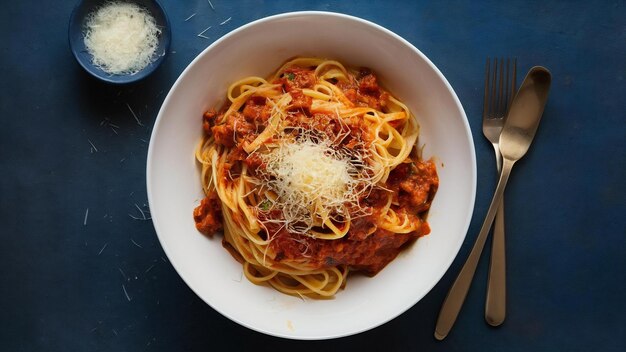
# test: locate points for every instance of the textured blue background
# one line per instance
(565, 201)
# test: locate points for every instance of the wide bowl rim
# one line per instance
(466, 126)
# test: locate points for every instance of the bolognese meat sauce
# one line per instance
(366, 247)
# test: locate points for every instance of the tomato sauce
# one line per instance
(359, 249)
(366, 247)
(208, 215)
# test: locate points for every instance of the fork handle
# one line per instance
(495, 304)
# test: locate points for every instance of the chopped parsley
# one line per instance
(265, 205)
(290, 76)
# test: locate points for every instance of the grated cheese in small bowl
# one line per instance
(119, 41)
(121, 37)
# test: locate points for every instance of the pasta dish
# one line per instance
(311, 174)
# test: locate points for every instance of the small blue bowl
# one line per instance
(77, 43)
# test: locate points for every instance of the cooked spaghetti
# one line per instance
(312, 173)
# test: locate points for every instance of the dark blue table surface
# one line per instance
(61, 280)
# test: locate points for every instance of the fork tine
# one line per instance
(500, 86)
(510, 84)
(494, 85)
(507, 91)
(486, 98)
(501, 107)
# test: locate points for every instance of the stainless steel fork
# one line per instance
(500, 88)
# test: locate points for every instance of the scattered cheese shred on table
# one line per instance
(121, 38)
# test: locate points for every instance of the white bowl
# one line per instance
(257, 49)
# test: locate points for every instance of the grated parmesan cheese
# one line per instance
(308, 172)
(121, 38)
(314, 182)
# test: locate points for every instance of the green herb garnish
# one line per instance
(265, 205)
(290, 76)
